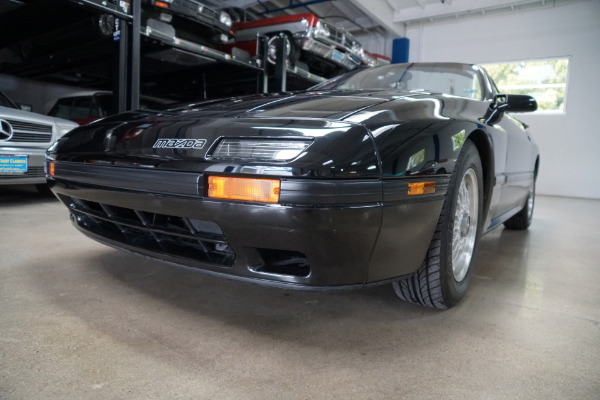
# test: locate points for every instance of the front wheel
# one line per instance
(445, 274)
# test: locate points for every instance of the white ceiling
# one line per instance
(407, 11)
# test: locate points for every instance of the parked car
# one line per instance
(326, 49)
(384, 174)
(24, 139)
(85, 107)
(193, 20)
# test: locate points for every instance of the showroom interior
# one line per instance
(83, 320)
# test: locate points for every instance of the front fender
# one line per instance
(424, 147)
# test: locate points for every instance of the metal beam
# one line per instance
(134, 80)
(119, 11)
(281, 64)
(120, 81)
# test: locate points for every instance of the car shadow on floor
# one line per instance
(23, 194)
(113, 291)
(133, 300)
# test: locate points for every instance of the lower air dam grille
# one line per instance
(181, 237)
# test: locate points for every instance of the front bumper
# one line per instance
(329, 52)
(339, 243)
(35, 166)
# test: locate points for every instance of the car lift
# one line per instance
(128, 32)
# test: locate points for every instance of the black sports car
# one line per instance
(386, 174)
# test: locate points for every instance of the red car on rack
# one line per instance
(327, 50)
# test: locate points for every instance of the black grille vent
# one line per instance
(31, 137)
(30, 127)
(181, 237)
(30, 132)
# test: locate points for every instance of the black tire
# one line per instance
(522, 220)
(442, 280)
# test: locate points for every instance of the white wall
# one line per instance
(569, 142)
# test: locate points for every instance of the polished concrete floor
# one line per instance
(79, 320)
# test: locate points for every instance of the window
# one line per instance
(82, 108)
(546, 80)
(62, 108)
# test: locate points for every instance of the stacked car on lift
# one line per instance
(321, 48)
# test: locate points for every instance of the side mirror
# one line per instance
(514, 102)
(508, 102)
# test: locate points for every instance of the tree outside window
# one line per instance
(545, 80)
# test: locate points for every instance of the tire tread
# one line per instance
(424, 287)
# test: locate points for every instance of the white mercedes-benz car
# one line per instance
(24, 138)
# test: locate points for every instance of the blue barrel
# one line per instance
(400, 48)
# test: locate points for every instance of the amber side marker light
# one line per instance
(51, 166)
(161, 4)
(416, 188)
(248, 189)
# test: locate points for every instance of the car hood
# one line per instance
(340, 147)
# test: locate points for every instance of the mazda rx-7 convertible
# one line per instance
(382, 175)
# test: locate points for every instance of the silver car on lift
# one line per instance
(24, 138)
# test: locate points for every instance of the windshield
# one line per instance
(454, 79)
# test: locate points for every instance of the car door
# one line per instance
(518, 173)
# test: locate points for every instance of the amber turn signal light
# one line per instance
(51, 165)
(416, 188)
(248, 189)
(161, 4)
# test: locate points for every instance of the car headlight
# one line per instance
(358, 50)
(259, 149)
(225, 18)
(322, 30)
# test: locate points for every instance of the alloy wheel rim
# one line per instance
(530, 202)
(464, 230)
(272, 48)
